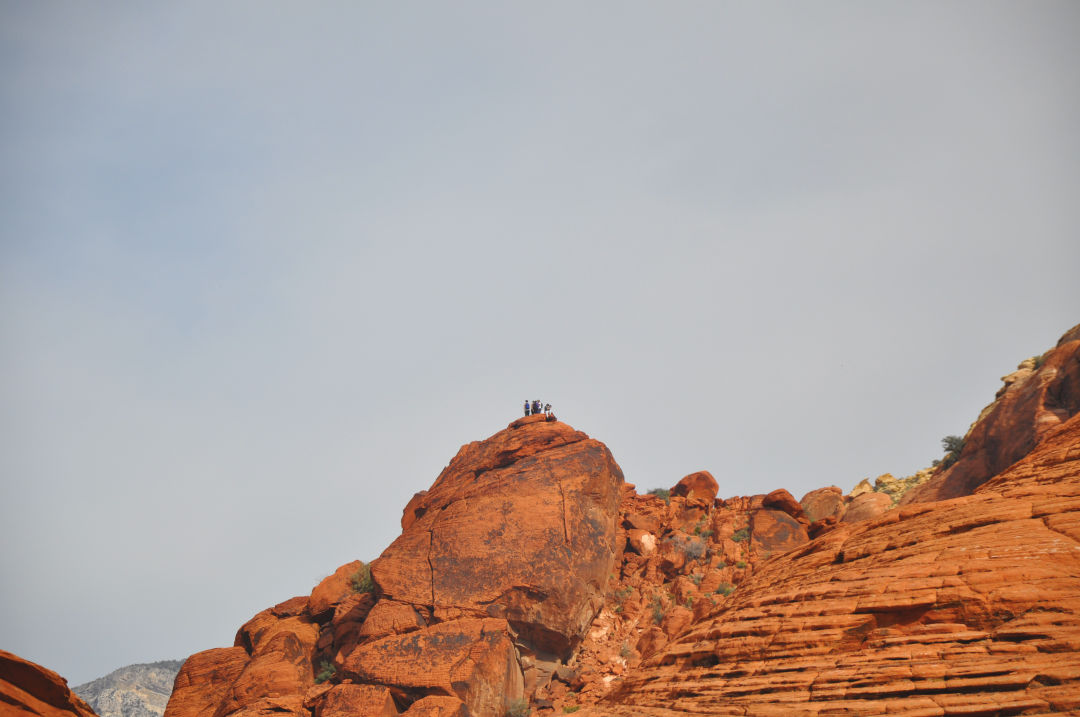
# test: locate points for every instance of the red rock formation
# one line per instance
(697, 488)
(27, 689)
(823, 503)
(1035, 401)
(866, 506)
(521, 527)
(204, 679)
(966, 606)
(508, 552)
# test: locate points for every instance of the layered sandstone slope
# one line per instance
(504, 560)
(965, 606)
(1040, 395)
(27, 689)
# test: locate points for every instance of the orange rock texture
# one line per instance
(28, 689)
(503, 561)
(1042, 394)
(964, 606)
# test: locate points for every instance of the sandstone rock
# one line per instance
(27, 688)
(823, 503)
(333, 589)
(774, 531)
(700, 488)
(866, 506)
(1013, 425)
(521, 526)
(471, 659)
(781, 500)
(861, 487)
(435, 706)
(646, 523)
(964, 606)
(357, 701)
(410, 514)
(642, 542)
(391, 618)
(280, 668)
(203, 681)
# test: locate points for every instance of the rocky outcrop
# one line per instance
(1041, 395)
(133, 691)
(504, 560)
(964, 606)
(28, 689)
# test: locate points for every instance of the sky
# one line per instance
(266, 266)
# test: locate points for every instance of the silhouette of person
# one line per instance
(535, 407)
(526, 408)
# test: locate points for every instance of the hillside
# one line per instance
(134, 691)
(530, 578)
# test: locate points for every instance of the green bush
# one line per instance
(570, 709)
(696, 579)
(953, 446)
(326, 672)
(707, 533)
(740, 535)
(361, 581)
(518, 708)
(741, 564)
(657, 610)
(664, 493)
(725, 589)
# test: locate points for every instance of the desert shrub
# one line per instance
(518, 708)
(1039, 361)
(326, 672)
(626, 652)
(689, 602)
(725, 588)
(663, 493)
(740, 535)
(694, 549)
(570, 709)
(623, 593)
(707, 533)
(657, 610)
(741, 564)
(361, 581)
(696, 579)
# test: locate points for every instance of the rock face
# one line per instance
(27, 689)
(965, 606)
(504, 560)
(1043, 394)
(133, 691)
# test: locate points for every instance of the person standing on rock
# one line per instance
(547, 408)
(526, 407)
(536, 407)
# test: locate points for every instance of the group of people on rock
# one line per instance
(533, 409)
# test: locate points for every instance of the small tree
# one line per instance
(953, 446)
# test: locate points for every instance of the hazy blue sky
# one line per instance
(265, 266)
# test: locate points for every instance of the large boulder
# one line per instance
(204, 679)
(522, 527)
(823, 503)
(28, 689)
(698, 488)
(866, 506)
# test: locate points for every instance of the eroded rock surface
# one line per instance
(965, 606)
(1040, 396)
(508, 552)
(27, 689)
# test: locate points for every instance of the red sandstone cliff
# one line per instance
(28, 689)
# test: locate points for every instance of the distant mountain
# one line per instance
(132, 691)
